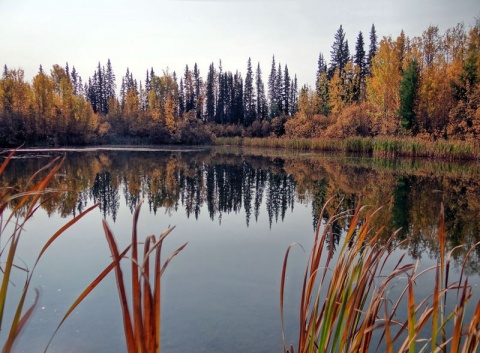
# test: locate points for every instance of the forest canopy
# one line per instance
(426, 87)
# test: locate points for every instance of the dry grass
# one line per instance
(26, 202)
(345, 304)
(142, 315)
(377, 146)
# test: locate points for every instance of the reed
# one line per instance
(378, 146)
(141, 310)
(345, 304)
(25, 204)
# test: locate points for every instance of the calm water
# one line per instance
(238, 211)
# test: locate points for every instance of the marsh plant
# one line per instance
(141, 316)
(346, 305)
(141, 310)
(17, 207)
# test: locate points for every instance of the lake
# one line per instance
(239, 210)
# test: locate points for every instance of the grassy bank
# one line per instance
(378, 146)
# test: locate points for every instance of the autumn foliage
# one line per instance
(423, 87)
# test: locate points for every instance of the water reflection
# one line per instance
(225, 181)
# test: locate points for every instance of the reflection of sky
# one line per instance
(222, 289)
(174, 33)
(221, 292)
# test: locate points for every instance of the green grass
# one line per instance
(378, 146)
(345, 303)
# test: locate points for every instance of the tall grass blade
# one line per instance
(127, 323)
(16, 329)
(136, 289)
(85, 293)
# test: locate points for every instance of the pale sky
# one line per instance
(172, 33)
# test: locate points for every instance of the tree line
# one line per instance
(426, 86)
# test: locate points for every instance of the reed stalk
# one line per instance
(390, 147)
(25, 204)
(345, 304)
(141, 314)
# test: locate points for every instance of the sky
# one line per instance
(169, 34)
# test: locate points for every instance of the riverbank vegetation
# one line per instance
(419, 89)
(349, 304)
(375, 146)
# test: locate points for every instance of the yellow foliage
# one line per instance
(383, 88)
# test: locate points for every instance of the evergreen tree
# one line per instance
(111, 85)
(408, 94)
(147, 82)
(210, 94)
(322, 67)
(222, 96)
(249, 96)
(340, 53)
(287, 104)
(67, 70)
(359, 60)
(372, 49)
(237, 101)
(229, 98)
(280, 90)
(123, 93)
(294, 94)
(181, 98)
(198, 94)
(74, 79)
(189, 90)
(100, 90)
(272, 89)
(262, 108)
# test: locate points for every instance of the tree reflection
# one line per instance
(410, 192)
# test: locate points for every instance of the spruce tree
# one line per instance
(74, 79)
(294, 94)
(249, 95)
(111, 85)
(181, 98)
(287, 104)
(359, 60)
(272, 89)
(220, 110)
(123, 93)
(280, 91)
(197, 83)
(147, 82)
(340, 53)
(321, 67)
(67, 71)
(210, 94)
(262, 109)
(408, 94)
(189, 90)
(237, 103)
(372, 49)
